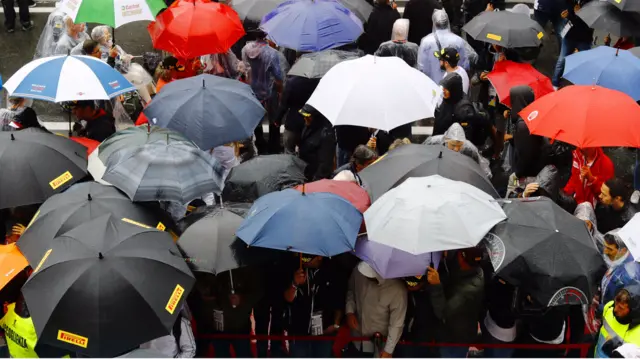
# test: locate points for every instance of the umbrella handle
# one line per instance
(233, 291)
(300, 256)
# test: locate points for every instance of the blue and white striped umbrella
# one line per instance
(67, 78)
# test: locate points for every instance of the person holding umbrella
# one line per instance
(99, 123)
(362, 157)
(317, 144)
(591, 168)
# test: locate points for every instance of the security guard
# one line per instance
(620, 322)
(19, 331)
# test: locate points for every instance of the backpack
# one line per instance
(476, 126)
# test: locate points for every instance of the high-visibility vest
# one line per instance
(20, 334)
(613, 330)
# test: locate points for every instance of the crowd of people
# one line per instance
(459, 299)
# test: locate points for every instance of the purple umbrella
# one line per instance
(391, 263)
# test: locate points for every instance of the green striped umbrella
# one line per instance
(114, 13)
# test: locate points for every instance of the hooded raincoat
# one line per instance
(456, 133)
(399, 46)
(223, 65)
(54, 30)
(69, 41)
(528, 158)
(449, 111)
(585, 212)
(616, 333)
(264, 67)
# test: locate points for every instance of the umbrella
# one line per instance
(350, 191)
(209, 110)
(90, 144)
(261, 175)
(322, 224)
(508, 74)
(546, 252)
(376, 92)
(603, 16)
(164, 171)
(107, 286)
(626, 5)
(392, 263)
(67, 78)
(240, 209)
(80, 204)
(421, 161)
(317, 64)
(430, 214)
(114, 13)
(12, 262)
(192, 28)
(254, 10)
(210, 245)
(360, 8)
(607, 67)
(35, 166)
(629, 235)
(575, 115)
(505, 28)
(311, 25)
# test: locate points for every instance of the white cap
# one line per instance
(366, 270)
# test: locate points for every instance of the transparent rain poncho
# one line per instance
(53, 31)
(223, 65)
(264, 65)
(427, 62)
(585, 212)
(74, 35)
(399, 46)
(452, 139)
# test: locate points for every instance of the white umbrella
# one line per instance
(430, 214)
(630, 235)
(376, 92)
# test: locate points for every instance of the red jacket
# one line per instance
(602, 169)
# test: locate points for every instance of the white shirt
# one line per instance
(465, 78)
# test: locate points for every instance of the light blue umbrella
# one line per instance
(319, 223)
(209, 110)
(311, 25)
(391, 262)
(607, 67)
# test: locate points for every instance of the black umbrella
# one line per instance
(240, 209)
(601, 15)
(505, 28)
(106, 287)
(80, 204)
(626, 5)
(261, 175)
(422, 161)
(37, 165)
(210, 244)
(545, 252)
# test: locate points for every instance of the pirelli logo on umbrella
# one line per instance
(494, 37)
(174, 299)
(73, 339)
(60, 180)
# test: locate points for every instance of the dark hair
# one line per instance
(88, 46)
(617, 188)
(84, 104)
(623, 296)
(610, 239)
(363, 154)
(452, 62)
(260, 35)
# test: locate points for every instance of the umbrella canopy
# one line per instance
(626, 5)
(316, 64)
(322, 224)
(67, 78)
(629, 235)
(107, 286)
(508, 74)
(114, 13)
(240, 209)
(361, 8)
(603, 16)
(350, 191)
(164, 171)
(254, 10)
(210, 245)
(260, 175)
(431, 214)
(575, 115)
(390, 262)
(376, 92)
(506, 29)
(192, 28)
(12, 262)
(90, 144)
(546, 252)
(209, 110)
(311, 25)
(80, 204)
(635, 51)
(607, 67)
(421, 161)
(35, 166)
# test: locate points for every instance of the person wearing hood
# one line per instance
(585, 212)
(614, 209)
(16, 105)
(591, 168)
(317, 145)
(378, 27)
(620, 317)
(375, 306)
(74, 36)
(399, 46)
(419, 12)
(297, 92)
(452, 109)
(615, 251)
(27, 119)
(53, 30)
(528, 157)
(440, 38)
(455, 140)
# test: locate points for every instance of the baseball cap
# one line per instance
(447, 54)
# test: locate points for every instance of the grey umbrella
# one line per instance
(627, 5)
(506, 29)
(603, 16)
(254, 10)
(317, 64)
(360, 8)
(164, 171)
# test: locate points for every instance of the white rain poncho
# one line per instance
(263, 65)
(223, 65)
(53, 31)
(399, 46)
(75, 35)
(102, 35)
(585, 212)
(427, 62)
(456, 133)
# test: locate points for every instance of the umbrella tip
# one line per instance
(89, 196)
(12, 137)
(100, 256)
(203, 86)
(440, 155)
(303, 193)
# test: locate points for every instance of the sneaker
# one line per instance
(11, 30)
(28, 26)
(635, 197)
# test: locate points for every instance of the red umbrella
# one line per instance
(586, 116)
(508, 74)
(90, 144)
(192, 28)
(350, 191)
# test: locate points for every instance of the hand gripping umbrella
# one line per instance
(107, 286)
